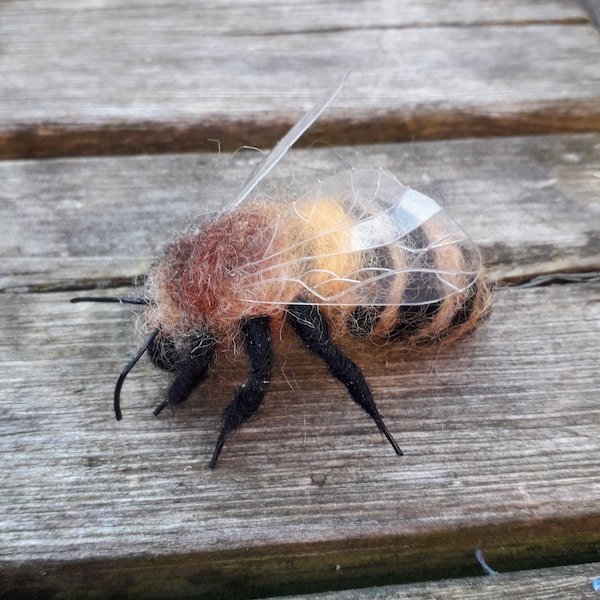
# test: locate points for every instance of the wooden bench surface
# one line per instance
(557, 583)
(126, 77)
(500, 430)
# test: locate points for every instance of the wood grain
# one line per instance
(125, 77)
(539, 584)
(498, 430)
(499, 433)
(531, 203)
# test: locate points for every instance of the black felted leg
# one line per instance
(249, 396)
(312, 329)
(190, 371)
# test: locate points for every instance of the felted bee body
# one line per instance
(358, 258)
(380, 260)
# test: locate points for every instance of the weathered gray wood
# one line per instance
(124, 77)
(531, 203)
(558, 583)
(499, 431)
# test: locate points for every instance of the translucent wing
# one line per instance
(363, 238)
(286, 142)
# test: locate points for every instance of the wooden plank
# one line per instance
(544, 584)
(500, 430)
(531, 203)
(126, 77)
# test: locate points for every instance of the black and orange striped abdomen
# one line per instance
(428, 286)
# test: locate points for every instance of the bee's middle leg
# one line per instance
(249, 396)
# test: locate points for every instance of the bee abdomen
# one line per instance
(417, 306)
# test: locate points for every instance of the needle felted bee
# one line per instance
(358, 257)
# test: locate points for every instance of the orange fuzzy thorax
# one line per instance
(244, 264)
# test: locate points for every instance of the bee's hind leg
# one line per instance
(249, 396)
(311, 327)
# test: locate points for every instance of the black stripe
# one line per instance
(464, 312)
(414, 318)
(420, 303)
(364, 319)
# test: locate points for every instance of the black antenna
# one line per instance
(128, 368)
(118, 299)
